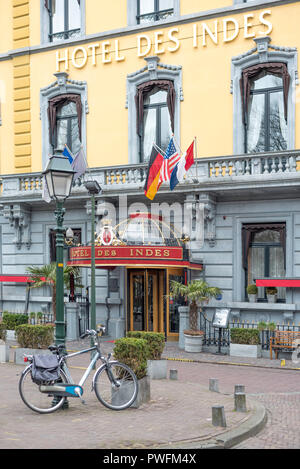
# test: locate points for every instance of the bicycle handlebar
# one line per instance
(93, 332)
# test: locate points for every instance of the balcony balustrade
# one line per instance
(205, 173)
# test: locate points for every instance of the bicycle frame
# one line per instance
(91, 365)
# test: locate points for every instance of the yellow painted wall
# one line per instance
(206, 111)
(6, 40)
(194, 6)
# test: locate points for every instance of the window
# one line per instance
(264, 254)
(62, 19)
(52, 241)
(265, 107)
(156, 123)
(148, 11)
(153, 101)
(263, 85)
(154, 10)
(67, 129)
(65, 113)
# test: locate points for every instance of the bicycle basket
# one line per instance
(45, 368)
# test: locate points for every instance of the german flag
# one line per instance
(152, 180)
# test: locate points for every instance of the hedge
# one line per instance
(2, 331)
(12, 320)
(155, 341)
(35, 336)
(244, 336)
(134, 353)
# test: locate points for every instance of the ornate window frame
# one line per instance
(154, 70)
(132, 12)
(261, 53)
(45, 23)
(61, 86)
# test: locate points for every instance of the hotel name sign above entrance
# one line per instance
(225, 31)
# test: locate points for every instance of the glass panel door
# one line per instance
(145, 308)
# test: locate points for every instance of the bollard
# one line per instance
(214, 384)
(240, 402)
(173, 374)
(218, 416)
(239, 388)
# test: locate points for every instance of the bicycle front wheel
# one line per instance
(116, 385)
(36, 400)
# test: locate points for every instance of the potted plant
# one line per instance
(134, 353)
(198, 293)
(32, 339)
(252, 292)
(156, 366)
(245, 342)
(4, 347)
(271, 294)
(46, 275)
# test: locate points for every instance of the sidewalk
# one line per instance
(178, 415)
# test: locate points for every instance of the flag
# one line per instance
(181, 168)
(67, 152)
(152, 179)
(170, 159)
(79, 164)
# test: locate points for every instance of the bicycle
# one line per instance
(114, 383)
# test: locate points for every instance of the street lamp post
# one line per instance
(93, 189)
(59, 177)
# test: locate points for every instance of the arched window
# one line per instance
(155, 115)
(265, 90)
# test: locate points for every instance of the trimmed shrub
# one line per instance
(34, 336)
(134, 353)
(12, 320)
(155, 341)
(244, 336)
(252, 289)
(2, 331)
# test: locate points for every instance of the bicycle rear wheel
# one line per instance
(36, 400)
(116, 386)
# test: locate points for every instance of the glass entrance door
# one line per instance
(145, 307)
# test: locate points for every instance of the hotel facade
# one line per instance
(110, 79)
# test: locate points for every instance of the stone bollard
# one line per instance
(214, 384)
(218, 416)
(240, 402)
(173, 374)
(239, 388)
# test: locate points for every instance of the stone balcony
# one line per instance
(259, 172)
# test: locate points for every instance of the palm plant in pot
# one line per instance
(198, 293)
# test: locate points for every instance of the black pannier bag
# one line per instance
(45, 368)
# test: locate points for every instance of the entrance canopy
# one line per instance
(131, 256)
(142, 240)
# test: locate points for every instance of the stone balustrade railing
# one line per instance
(247, 167)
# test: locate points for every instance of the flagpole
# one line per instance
(160, 150)
(177, 144)
(196, 154)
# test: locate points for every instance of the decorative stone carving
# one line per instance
(19, 216)
(209, 202)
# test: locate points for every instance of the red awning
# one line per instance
(131, 256)
(278, 282)
(16, 278)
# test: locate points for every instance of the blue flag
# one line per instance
(67, 152)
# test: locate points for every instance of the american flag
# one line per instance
(171, 157)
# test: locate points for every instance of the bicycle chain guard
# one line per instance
(63, 389)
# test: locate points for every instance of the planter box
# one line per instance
(4, 352)
(193, 343)
(157, 369)
(20, 351)
(143, 395)
(272, 298)
(243, 350)
(252, 297)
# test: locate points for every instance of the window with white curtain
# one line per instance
(266, 128)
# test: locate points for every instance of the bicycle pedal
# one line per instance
(78, 392)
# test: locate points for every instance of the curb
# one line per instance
(231, 438)
(189, 360)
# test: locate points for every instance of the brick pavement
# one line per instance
(170, 416)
